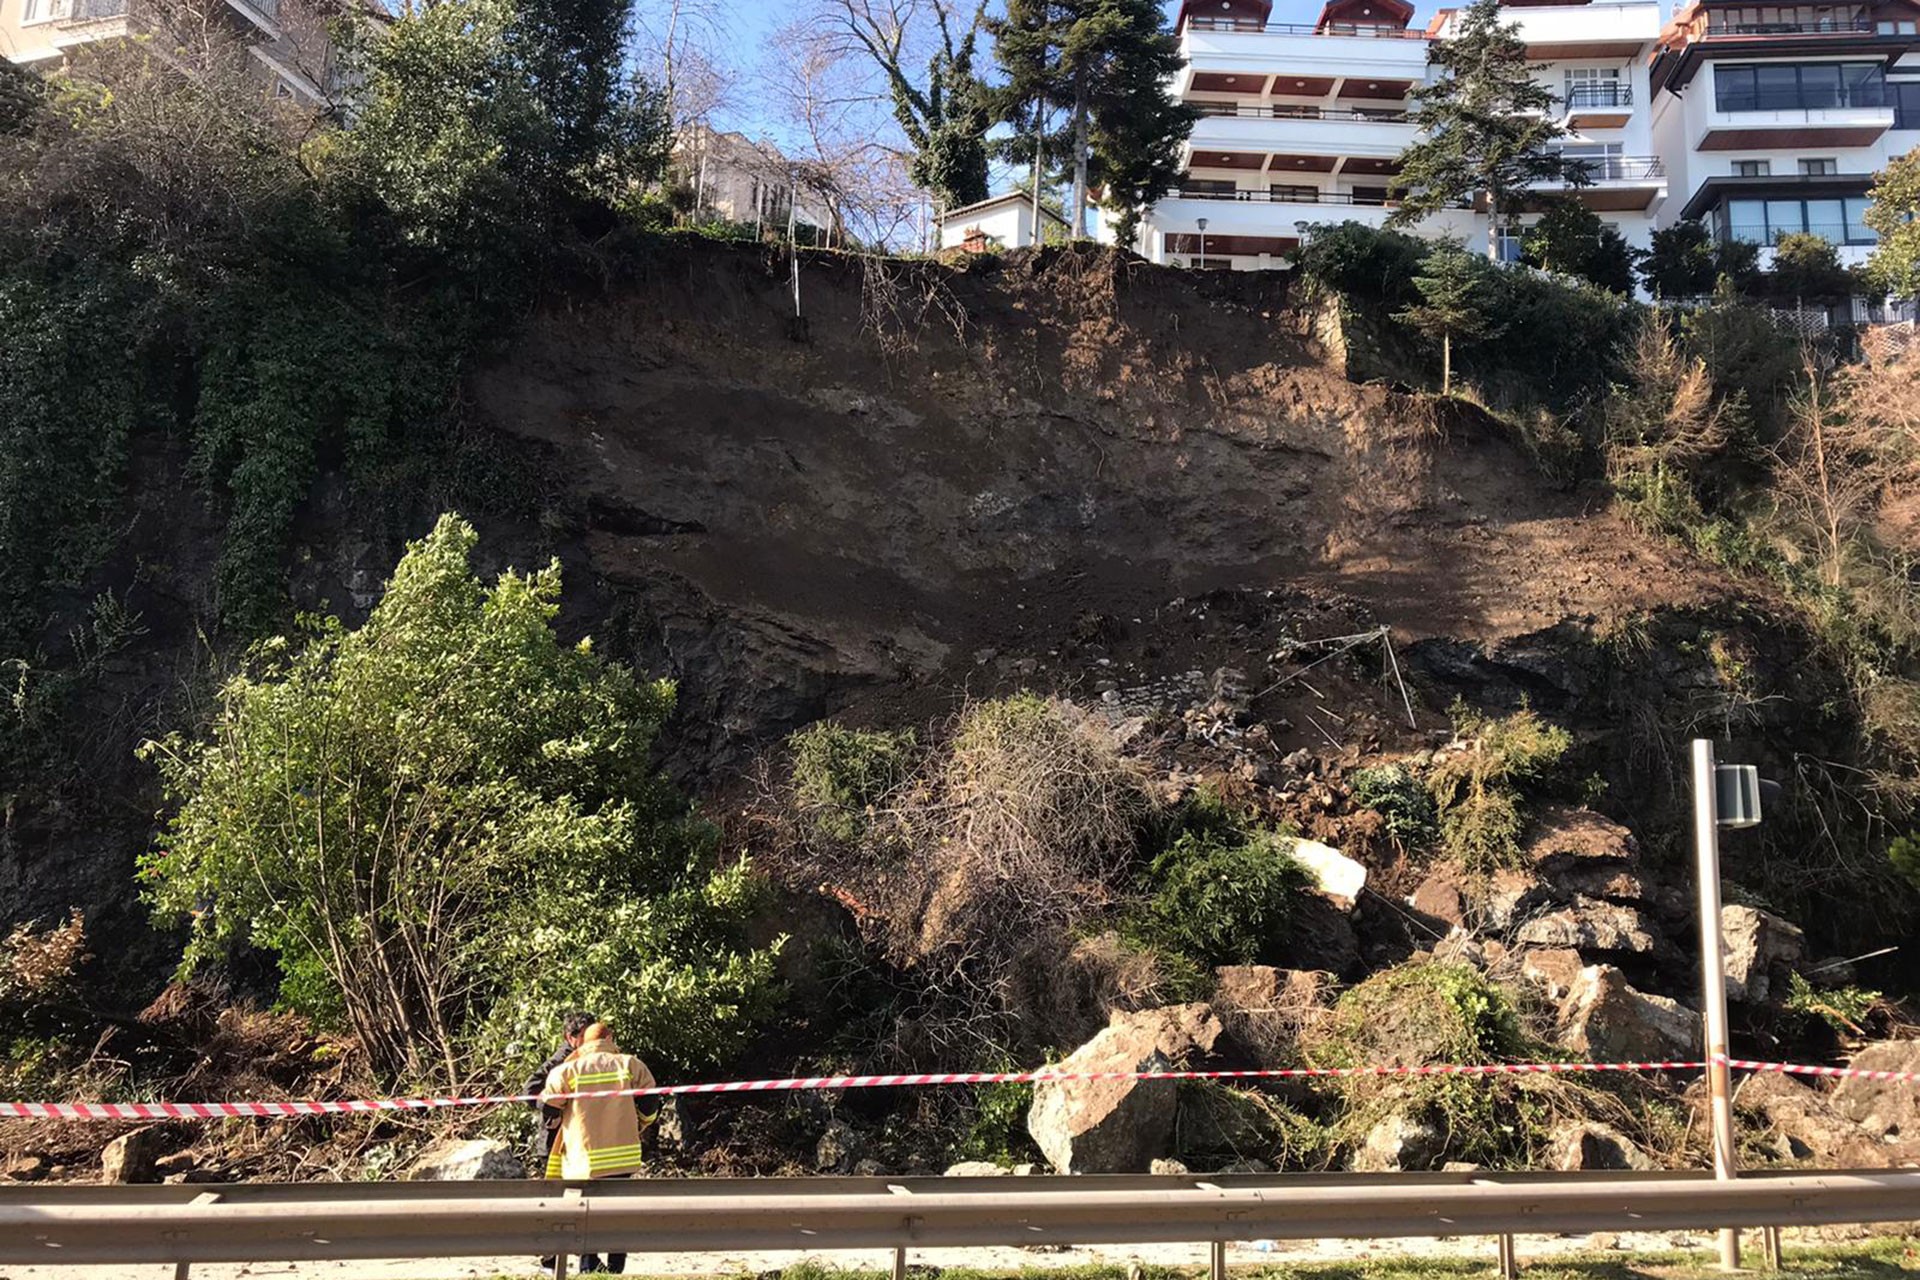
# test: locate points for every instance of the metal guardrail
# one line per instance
(267, 1222)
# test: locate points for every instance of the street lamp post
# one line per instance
(1724, 795)
(1201, 261)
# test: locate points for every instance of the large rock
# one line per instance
(1762, 950)
(1320, 935)
(1883, 1108)
(837, 1149)
(130, 1157)
(466, 1160)
(1120, 1126)
(1336, 875)
(1606, 1020)
(1443, 896)
(1553, 969)
(977, 1169)
(1564, 839)
(1805, 1124)
(1398, 1142)
(1592, 924)
(1264, 1008)
(1585, 1144)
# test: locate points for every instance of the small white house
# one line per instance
(1003, 222)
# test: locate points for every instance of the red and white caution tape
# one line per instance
(229, 1110)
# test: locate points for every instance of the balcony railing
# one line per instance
(1817, 27)
(1604, 94)
(1300, 195)
(1380, 30)
(1871, 95)
(91, 10)
(1281, 111)
(1832, 232)
(1622, 168)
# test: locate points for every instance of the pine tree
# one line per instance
(1137, 126)
(1103, 65)
(1485, 127)
(1451, 304)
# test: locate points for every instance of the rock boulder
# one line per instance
(1563, 839)
(130, 1157)
(1606, 1020)
(1806, 1125)
(1585, 1145)
(466, 1160)
(1883, 1108)
(1552, 969)
(1592, 924)
(1399, 1142)
(1762, 950)
(1120, 1126)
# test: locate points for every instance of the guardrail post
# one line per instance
(1509, 1259)
(181, 1270)
(1217, 1260)
(560, 1266)
(900, 1264)
(1770, 1242)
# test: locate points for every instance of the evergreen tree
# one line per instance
(1485, 127)
(1451, 305)
(1895, 215)
(1133, 149)
(1103, 66)
(1026, 46)
(1571, 240)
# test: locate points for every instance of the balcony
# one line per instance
(1368, 30)
(1606, 104)
(1768, 122)
(1586, 31)
(1616, 183)
(1352, 64)
(1286, 139)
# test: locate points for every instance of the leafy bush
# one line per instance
(1904, 854)
(1570, 238)
(839, 773)
(1364, 262)
(1684, 262)
(1418, 1014)
(998, 1128)
(1226, 899)
(1401, 799)
(1477, 789)
(445, 820)
(1807, 267)
(1844, 1009)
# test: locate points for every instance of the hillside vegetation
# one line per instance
(435, 597)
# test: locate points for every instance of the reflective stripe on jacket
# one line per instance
(598, 1137)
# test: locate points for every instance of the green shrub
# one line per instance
(1845, 1009)
(445, 828)
(1226, 899)
(1401, 799)
(998, 1128)
(1904, 854)
(841, 773)
(1417, 1014)
(1478, 790)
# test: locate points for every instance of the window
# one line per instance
(1603, 158)
(1752, 168)
(43, 10)
(1595, 87)
(1894, 27)
(1799, 87)
(1906, 105)
(1840, 220)
(1512, 242)
(1814, 168)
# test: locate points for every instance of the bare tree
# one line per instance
(837, 132)
(1829, 467)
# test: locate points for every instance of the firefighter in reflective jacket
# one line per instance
(599, 1137)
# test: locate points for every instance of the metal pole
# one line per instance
(899, 1264)
(1713, 978)
(1217, 1260)
(1509, 1258)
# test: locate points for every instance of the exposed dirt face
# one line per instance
(961, 461)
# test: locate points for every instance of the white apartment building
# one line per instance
(745, 180)
(1775, 117)
(286, 42)
(1303, 123)
(1758, 119)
